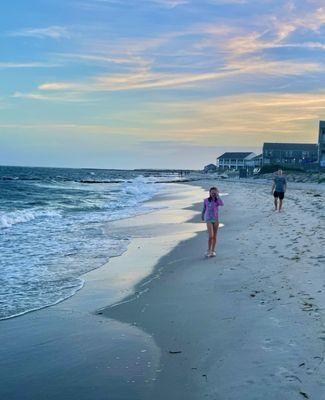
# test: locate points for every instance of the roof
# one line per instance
(236, 155)
(290, 146)
(257, 157)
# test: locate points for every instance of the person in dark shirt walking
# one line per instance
(278, 189)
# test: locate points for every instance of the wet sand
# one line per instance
(248, 324)
(67, 351)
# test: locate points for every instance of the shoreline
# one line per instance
(178, 337)
(151, 235)
(155, 204)
(52, 342)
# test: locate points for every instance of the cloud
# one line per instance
(57, 86)
(221, 2)
(53, 32)
(284, 28)
(170, 3)
(99, 4)
(242, 120)
(312, 20)
(206, 56)
(27, 65)
(162, 3)
(245, 120)
(104, 59)
(146, 79)
(213, 52)
(70, 97)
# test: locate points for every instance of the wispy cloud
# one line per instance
(288, 23)
(146, 79)
(162, 3)
(103, 59)
(53, 32)
(216, 51)
(69, 97)
(220, 2)
(170, 3)
(27, 65)
(285, 29)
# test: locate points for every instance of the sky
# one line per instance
(157, 83)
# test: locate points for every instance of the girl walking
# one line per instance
(210, 216)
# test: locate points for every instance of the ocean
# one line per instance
(52, 228)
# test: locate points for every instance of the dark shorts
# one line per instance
(279, 195)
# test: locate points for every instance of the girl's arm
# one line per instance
(219, 202)
(203, 211)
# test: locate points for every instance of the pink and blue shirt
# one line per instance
(210, 209)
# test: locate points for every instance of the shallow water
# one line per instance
(52, 229)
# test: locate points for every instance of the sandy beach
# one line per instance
(161, 321)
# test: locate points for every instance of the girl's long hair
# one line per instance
(210, 197)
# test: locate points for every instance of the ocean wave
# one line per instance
(8, 219)
(140, 189)
(46, 267)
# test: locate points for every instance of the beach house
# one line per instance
(235, 160)
(290, 154)
(255, 162)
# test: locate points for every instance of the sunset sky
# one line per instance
(157, 83)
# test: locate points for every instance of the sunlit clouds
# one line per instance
(212, 74)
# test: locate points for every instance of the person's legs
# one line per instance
(215, 231)
(275, 201)
(211, 235)
(281, 201)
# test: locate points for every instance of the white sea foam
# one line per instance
(7, 219)
(63, 238)
(140, 189)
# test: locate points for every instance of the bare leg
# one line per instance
(211, 236)
(275, 203)
(215, 231)
(280, 205)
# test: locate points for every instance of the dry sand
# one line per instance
(246, 325)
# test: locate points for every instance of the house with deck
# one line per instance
(255, 162)
(234, 160)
